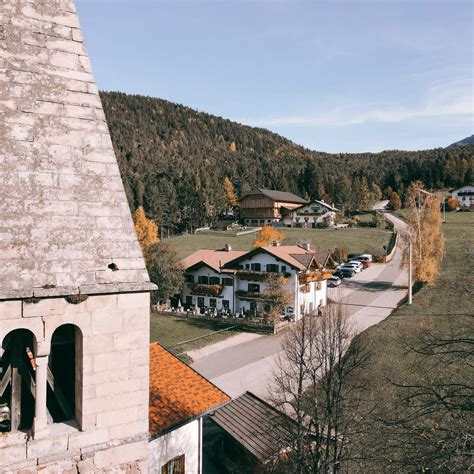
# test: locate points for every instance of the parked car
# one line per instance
(354, 266)
(334, 281)
(367, 256)
(365, 263)
(344, 272)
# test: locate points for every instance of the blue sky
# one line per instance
(335, 76)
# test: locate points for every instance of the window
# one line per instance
(189, 278)
(175, 466)
(200, 301)
(17, 375)
(227, 281)
(253, 306)
(253, 288)
(214, 280)
(271, 267)
(283, 268)
(61, 394)
(189, 300)
(204, 280)
(247, 266)
(225, 304)
(212, 302)
(256, 267)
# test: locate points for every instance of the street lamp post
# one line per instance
(410, 272)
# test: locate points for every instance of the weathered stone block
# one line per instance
(111, 360)
(117, 417)
(10, 309)
(89, 438)
(108, 322)
(128, 429)
(121, 454)
(46, 446)
(133, 300)
(130, 340)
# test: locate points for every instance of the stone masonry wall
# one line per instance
(113, 418)
(63, 209)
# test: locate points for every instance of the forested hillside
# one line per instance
(174, 161)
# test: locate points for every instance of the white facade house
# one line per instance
(311, 215)
(464, 196)
(240, 285)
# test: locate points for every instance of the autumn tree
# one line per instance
(277, 297)
(229, 193)
(376, 192)
(268, 235)
(424, 232)
(165, 270)
(314, 384)
(452, 204)
(146, 229)
(395, 202)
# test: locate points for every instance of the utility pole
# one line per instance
(444, 209)
(410, 272)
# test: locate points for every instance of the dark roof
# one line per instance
(281, 196)
(257, 426)
(304, 259)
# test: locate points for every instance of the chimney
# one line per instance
(275, 243)
(227, 247)
(306, 246)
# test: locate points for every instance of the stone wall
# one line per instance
(112, 387)
(63, 207)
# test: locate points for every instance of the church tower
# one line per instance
(74, 290)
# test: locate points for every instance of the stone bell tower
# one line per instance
(74, 291)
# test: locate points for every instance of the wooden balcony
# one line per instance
(206, 290)
(305, 278)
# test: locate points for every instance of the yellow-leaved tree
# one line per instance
(424, 231)
(229, 193)
(146, 229)
(268, 235)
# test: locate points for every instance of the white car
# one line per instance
(366, 256)
(355, 266)
(334, 281)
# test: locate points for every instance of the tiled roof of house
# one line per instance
(280, 196)
(177, 392)
(213, 258)
(257, 426)
(292, 254)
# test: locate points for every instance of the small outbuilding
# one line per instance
(247, 435)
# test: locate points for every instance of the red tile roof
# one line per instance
(213, 258)
(177, 392)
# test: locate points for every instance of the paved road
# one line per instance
(369, 297)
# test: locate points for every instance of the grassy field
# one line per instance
(170, 330)
(442, 308)
(352, 240)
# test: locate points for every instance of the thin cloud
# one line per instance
(448, 100)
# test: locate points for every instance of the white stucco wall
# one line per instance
(227, 292)
(184, 440)
(464, 201)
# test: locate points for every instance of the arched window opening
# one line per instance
(17, 381)
(62, 374)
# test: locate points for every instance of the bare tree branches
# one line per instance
(314, 385)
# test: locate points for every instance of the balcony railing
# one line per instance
(315, 276)
(206, 290)
(254, 275)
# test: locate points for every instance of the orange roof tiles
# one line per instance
(214, 258)
(177, 392)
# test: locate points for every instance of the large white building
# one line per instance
(238, 281)
(464, 196)
(311, 215)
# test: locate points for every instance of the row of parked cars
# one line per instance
(348, 269)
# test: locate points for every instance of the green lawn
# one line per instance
(443, 307)
(171, 330)
(352, 240)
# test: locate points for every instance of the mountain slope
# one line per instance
(464, 141)
(174, 159)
